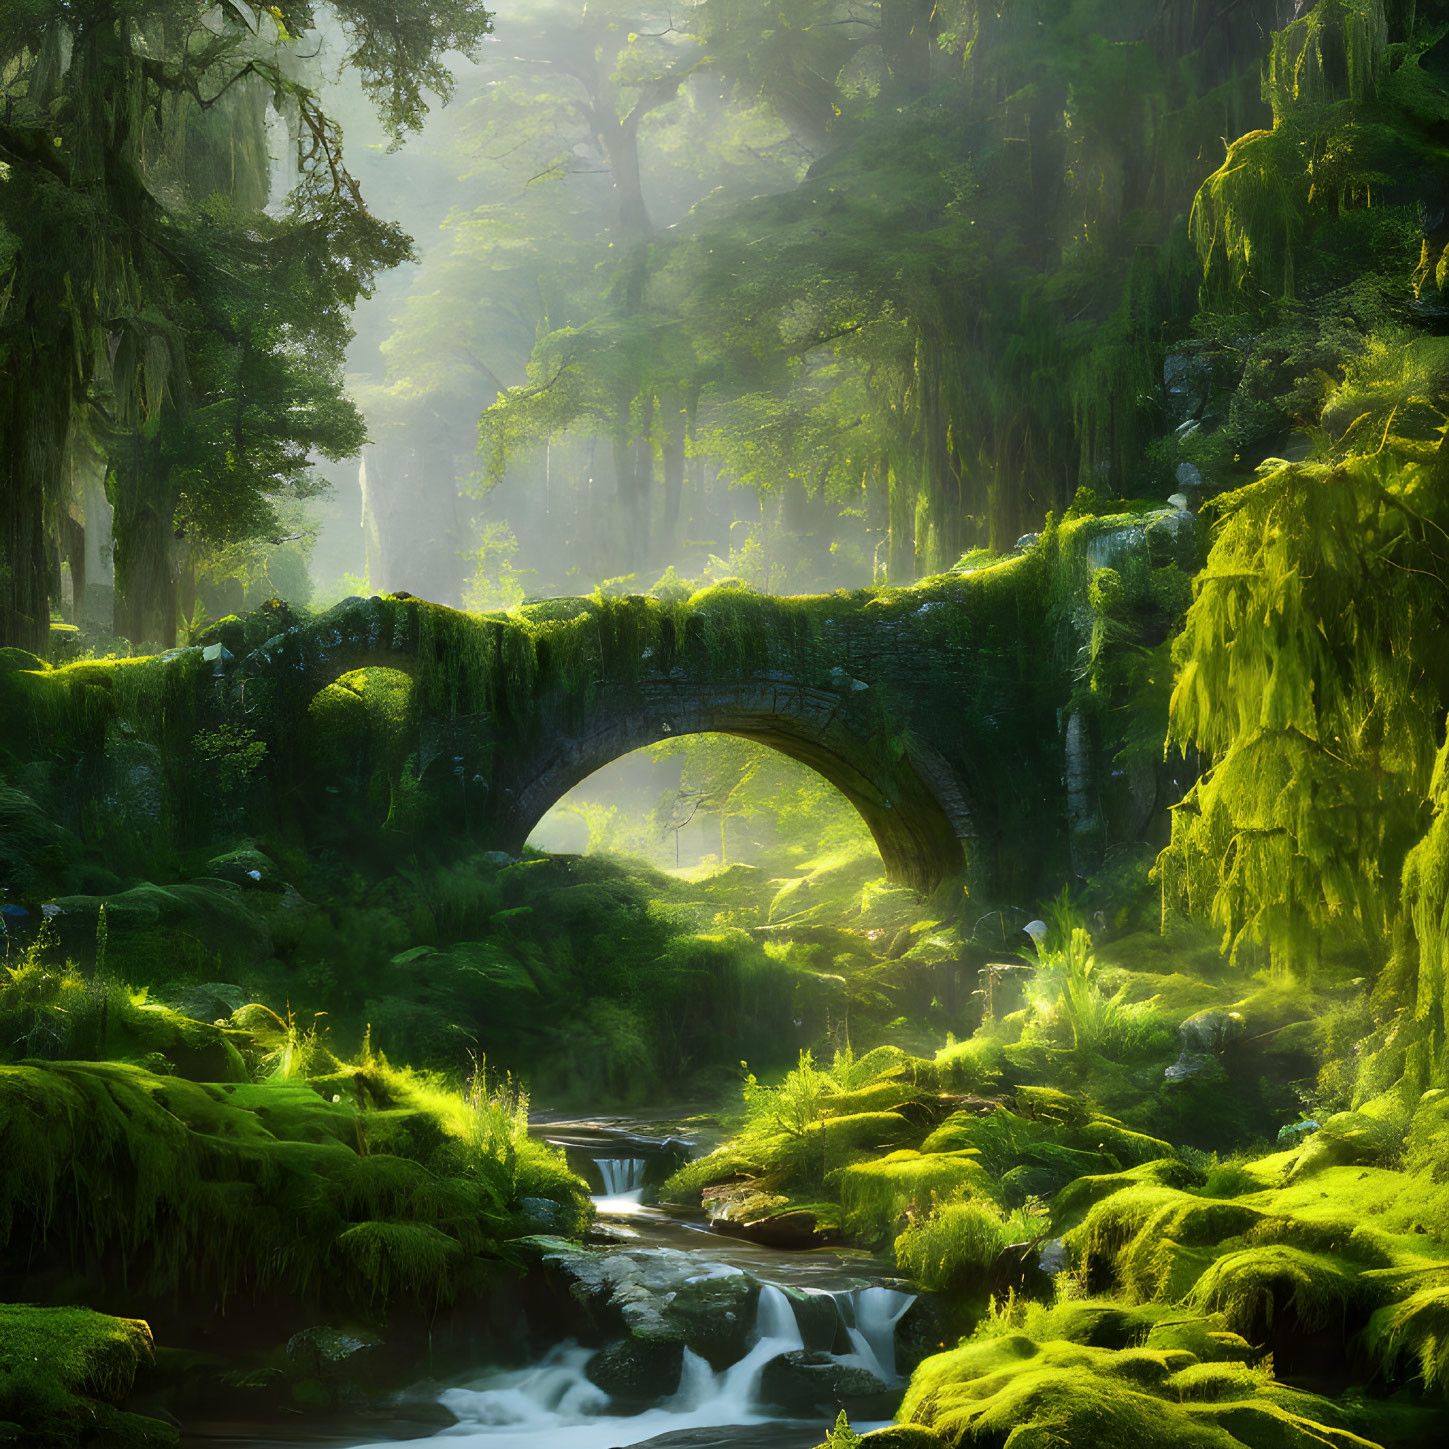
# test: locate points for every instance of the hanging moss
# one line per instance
(1313, 1290)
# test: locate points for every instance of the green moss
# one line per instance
(955, 1249)
(161, 934)
(1416, 1328)
(880, 1097)
(1011, 1388)
(975, 1065)
(862, 1131)
(62, 1371)
(232, 1187)
(875, 1195)
(1250, 1286)
(1392, 1202)
(1350, 1139)
(1424, 1149)
(1155, 1240)
(903, 1436)
(1048, 1394)
(1084, 1144)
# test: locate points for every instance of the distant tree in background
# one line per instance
(939, 303)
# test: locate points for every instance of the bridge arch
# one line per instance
(919, 840)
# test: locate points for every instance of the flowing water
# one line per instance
(552, 1404)
(623, 1184)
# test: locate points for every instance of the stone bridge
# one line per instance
(938, 710)
(967, 718)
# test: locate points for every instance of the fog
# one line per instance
(529, 217)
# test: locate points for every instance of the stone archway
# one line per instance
(919, 838)
(934, 710)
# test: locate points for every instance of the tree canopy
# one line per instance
(143, 296)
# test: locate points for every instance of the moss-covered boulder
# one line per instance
(1050, 1392)
(177, 932)
(160, 1184)
(50, 1012)
(877, 1193)
(64, 1372)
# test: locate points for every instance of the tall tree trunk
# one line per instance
(901, 565)
(674, 422)
(145, 546)
(906, 40)
(34, 416)
(640, 507)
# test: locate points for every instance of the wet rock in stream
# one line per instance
(731, 1436)
(809, 1384)
(741, 1210)
(637, 1370)
(658, 1296)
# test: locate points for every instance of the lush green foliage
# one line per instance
(65, 1369)
(154, 320)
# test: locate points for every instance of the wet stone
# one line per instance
(810, 1383)
(816, 1316)
(637, 1370)
(542, 1215)
(1211, 1030)
(326, 1353)
(715, 1316)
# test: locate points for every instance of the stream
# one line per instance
(835, 1310)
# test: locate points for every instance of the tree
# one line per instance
(1313, 674)
(110, 267)
(980, 262)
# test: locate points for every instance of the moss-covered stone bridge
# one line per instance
(924, 711)
(939, 710)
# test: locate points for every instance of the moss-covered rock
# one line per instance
(876, 1194)
(1061, 1392)
(220, 1188)
(157, 934)
(64, 1372)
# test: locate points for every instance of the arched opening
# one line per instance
(906, 798)
(763, 838)
(707, 800)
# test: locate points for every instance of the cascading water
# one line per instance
(869, 1316)
(620, 1174)
(553, 1404)
(623, 1183)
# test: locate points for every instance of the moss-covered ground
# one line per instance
(233, 1183)
(1240, 1253)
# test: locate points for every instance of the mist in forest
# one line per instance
(528, 212)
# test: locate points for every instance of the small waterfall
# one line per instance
(775, 1318)
(869, 1316)
(737, 1389)
(620, 1174)
(623, 1184)
(553, 1405)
